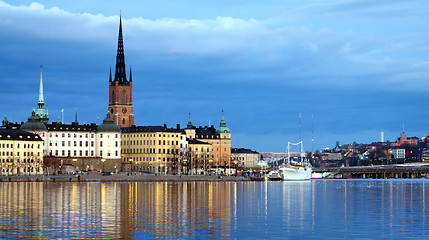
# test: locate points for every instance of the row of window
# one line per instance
(149, 135)
(25, 145)
(25, 169)
(23, 160)
(80, 153)
(17, 154)
(79, 144)
(150, 142)
(69, 135)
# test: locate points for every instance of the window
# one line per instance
(101, 153)
(124, 97)
(101, 144)
(113, 97)
(123, 121)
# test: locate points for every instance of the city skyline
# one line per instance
(358, 66)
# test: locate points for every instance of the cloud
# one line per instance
(262, 74)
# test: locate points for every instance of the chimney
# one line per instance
(165, 125)
(178, 126)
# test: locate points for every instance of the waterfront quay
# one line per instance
(380, 172)
(121, 177)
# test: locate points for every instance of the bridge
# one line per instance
(415, 170)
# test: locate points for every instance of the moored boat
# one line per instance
(274, 176)
(296, 170)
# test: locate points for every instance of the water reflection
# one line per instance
(311, 209)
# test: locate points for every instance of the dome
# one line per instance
(108, 125)
(33, 124)
(223, 128)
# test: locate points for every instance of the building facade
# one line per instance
(85, 147)
(403, 139)
(154, 149)
(21, 153)
(219, 139)
(244, 158)
(398, 153)
(199, 158)
(120, 89)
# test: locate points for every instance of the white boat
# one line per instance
(300, 170)
(274, 176)
(296, 172)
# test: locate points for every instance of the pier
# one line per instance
(378, 172)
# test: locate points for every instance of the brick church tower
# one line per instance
(120, 89)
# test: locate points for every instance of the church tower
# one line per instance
(120, 89)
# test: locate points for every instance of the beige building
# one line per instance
(21, 153)
(199, 158)
(154, 149)
(244, 158)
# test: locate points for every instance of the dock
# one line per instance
(414, 170)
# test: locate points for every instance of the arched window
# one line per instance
(123, 120)
(124, 97)
(113, 97)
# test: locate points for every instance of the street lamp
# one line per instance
(103, 160)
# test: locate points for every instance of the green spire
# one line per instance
(222, 126)
(190, 122)
(41, 112)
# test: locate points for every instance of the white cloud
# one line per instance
(244, 45)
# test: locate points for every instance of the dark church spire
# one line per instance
(131, 75)
(120, 74)
(110, 78)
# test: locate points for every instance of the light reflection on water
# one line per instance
(322, 209)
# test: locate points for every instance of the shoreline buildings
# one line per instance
(119, 145)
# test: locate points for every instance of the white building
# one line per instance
(398, 153)
(87, 147)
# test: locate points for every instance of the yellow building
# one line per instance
(21, 153)
(198, 160)
(154, 149)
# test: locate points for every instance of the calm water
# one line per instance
(320, 209)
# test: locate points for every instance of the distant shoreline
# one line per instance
(122, 178)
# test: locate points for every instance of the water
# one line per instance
(319, 209)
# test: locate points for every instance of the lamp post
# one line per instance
(103, 160)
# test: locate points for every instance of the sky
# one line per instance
(360, 67)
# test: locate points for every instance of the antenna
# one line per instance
(300, 126)
(312, 133)
(403, 127)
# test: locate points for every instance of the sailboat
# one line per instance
(299, 169)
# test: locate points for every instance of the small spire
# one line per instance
(131, 75)
(5, 121)
(75, 118)
(190, 122)
(222, 121)
(110, 78)
(41, 100)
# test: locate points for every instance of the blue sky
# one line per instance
(360, 66)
